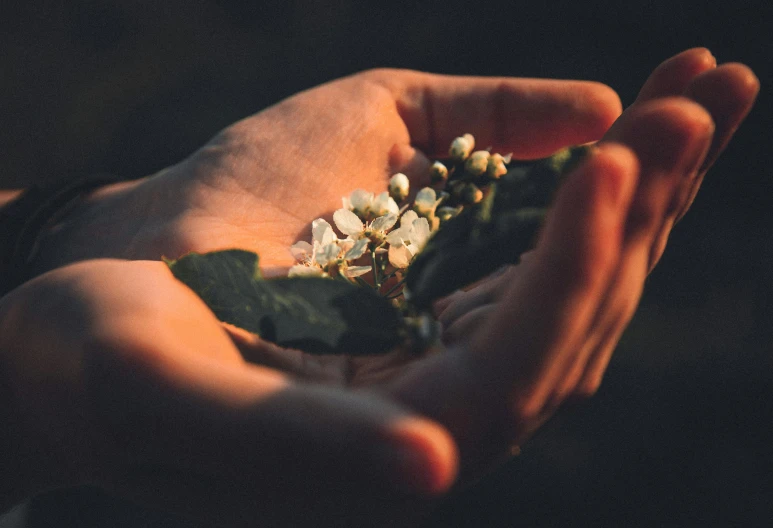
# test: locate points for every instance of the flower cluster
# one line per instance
(381, 236)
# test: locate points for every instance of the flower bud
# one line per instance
(461, 147)
(446, 212)
(471, 194)
(438, 172)
(496, 166)
(457, 189)
(477, 162)
(398, 187)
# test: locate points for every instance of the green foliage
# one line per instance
(316, 315)
(492, 233)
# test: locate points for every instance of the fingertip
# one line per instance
(427, 459)
(606, 106)
(673, 75)
(666, 134)
(731, 82)
(701, 57)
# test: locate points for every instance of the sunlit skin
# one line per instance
(121, 377)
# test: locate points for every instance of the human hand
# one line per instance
(258, 184)
(515, 357)
(588, 274)
(115, 374)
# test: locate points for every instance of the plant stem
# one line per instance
(393, 288)
(376, 278)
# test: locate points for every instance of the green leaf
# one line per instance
(491, 234)
(316, 315)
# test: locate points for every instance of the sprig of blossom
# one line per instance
(381, 236)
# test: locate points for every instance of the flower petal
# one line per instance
(399, 256)
(322, 232)
(327, 254)
(356, 271)
(407, 219)
(361, 200)
(299, 270)
(382, 223)
(420, 233)
(399, 236)
(301, 250)
(357, 250)
(384, 204)
(348, 223)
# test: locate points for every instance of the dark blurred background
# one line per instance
(680, 433)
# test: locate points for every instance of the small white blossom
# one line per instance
(399, 187)
(327, 251)
(359, 202)
(349, 223)
(366, 205)
(383, 204)
(406, 241)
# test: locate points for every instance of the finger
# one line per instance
(728, 93)
(499, 384)
(226, 421)
(674, 75)
(646, 128)
(683, 132)
(528, 117)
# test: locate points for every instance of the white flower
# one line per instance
(327, 250)
(350, 224)
(358, 201)
(406, 241)
(399, 187)
(383, 204)
(365, 204)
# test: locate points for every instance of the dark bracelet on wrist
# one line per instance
(25, 219)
